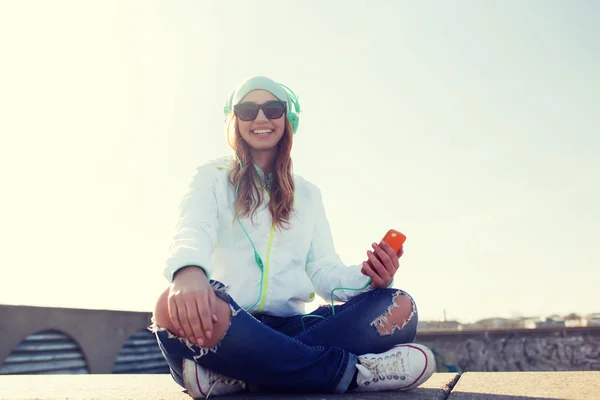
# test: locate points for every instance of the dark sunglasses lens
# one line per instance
(246, 112)
(274, 110)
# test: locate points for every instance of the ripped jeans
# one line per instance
(295, 354)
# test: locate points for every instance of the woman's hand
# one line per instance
(382, 264)
(192, 304)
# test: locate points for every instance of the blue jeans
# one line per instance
(317, 353)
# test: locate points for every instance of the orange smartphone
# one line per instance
(395, 239)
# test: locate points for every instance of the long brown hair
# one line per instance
(249, 195)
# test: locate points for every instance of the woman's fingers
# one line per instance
(388, 257)
(194, 305)
(377, 282)
(400, 252)
(382, 264)
(212, 302)
(204, 315)
(387, 266)
(378, 267)
(174, 316)
(182, 313)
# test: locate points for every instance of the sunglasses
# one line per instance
(273, 109)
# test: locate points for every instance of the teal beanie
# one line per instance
(256, 83)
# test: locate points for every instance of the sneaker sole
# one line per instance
(190, 379)
(428, 370)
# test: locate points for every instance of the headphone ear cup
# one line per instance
(226, 112)
(294, 120)
(227, 107)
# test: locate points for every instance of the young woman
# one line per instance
(252, 247)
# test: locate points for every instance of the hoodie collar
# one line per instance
(265, 181)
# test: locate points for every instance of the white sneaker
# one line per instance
(403, 367)
(201, 382)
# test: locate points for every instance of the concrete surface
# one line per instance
(469, 386)
(90, 387)
(155, 387)
(437, 387)
(584, 385)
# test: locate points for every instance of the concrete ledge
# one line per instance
(441, 386)
(90, 387)
(437, 387)
(162, 387)
(584, 385)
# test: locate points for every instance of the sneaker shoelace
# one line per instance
(383, 368)
(218, 378)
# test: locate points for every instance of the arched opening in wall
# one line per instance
(140, 354)
(46, 352)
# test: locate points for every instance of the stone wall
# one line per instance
(543, 349)
(101, 334)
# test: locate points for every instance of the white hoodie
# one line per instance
(299, 259)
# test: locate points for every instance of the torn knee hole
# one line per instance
(397, 315)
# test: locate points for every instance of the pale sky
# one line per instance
(470, 126)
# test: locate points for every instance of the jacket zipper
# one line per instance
(263, 295)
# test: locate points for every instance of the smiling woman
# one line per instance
(253, 246)
(259, 135)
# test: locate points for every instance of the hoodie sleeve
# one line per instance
(197, 225)
(324, 266)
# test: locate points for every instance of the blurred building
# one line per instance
(42, 340)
